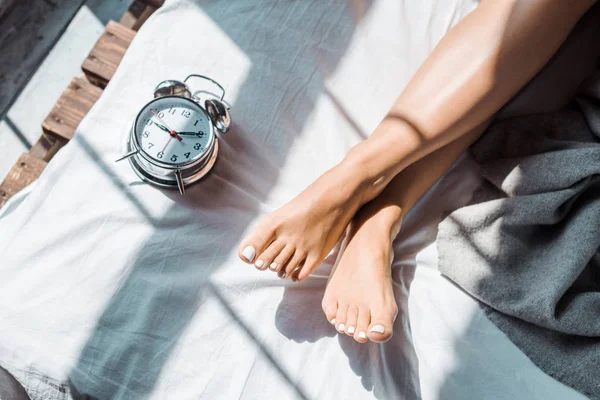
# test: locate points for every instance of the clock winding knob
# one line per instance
(172, 88)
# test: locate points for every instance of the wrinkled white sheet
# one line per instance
(133, 292)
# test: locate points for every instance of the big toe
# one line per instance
(255, 244)
(381, 327)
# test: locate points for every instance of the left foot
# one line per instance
(296, 238)
(359, 299)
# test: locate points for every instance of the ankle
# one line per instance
(366, 184)
(357, 180)
(387, 218)
(377, 160)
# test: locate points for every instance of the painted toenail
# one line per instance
(281, 274)
(350, 329)
(249, 253)
(341, 327)
(362, 335)
(333, 321)
(273, 266)
(378, 329)
(259, 264)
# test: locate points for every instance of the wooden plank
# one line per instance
(130, 17)
(72, 106)
(102, 62)
(47, 146)
(26, 170)
(28, 30)
(148, 11)
(139, 12)
(154, 3)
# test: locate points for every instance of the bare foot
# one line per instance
(296, 238)
(359, 299)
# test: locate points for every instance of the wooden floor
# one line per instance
(43, 44)
(76, 99)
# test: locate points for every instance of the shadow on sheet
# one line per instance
(140, 327)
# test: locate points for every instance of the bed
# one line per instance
(114, 289)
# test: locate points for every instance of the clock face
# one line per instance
(173, 130)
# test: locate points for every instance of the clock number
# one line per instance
(197, 146)
(161, 114)
(150, 145)
(173, 158)
(171, 110)
(196, 123)
(160, 154)
(186, 113)
(149, 122)
(146, 134)
(187, 155)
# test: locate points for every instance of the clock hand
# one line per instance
(172, 132)
(190, 133)
(164, 128)
(167, 144)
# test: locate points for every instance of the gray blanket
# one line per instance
(527, 247)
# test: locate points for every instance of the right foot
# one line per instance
(295, 239)
(359, 299)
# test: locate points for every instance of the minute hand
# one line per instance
(191, 133)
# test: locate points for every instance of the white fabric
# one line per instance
(134, 292)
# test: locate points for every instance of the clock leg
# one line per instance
(132, 152)
(180, 183)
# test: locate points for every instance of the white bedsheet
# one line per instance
(134, 292)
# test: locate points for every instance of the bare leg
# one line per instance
(367, 255)
(359, 294)
(478, 66)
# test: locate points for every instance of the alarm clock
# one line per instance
(173, 141)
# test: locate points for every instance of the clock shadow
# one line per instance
(171, 280)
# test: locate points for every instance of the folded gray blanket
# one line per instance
(527, 247)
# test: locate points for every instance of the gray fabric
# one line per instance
(528, 245)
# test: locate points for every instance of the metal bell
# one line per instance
(219, 115)
(172, 88)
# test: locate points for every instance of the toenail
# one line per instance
(273, 266)
(362, 335)
(249, 253)
(259, 264)
(350, 329)
(378, 329)
(295, 274)
(341, 327)
(281, 274)
(333, 321)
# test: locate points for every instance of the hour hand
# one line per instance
(164, 128)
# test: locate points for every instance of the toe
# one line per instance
(279, 263)
(264, 260)
(362, 325)
(294, 264)
(330, 310)
(255, 244)
(351, 320)
(309, 266)
(340, 318)
(380, 329)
